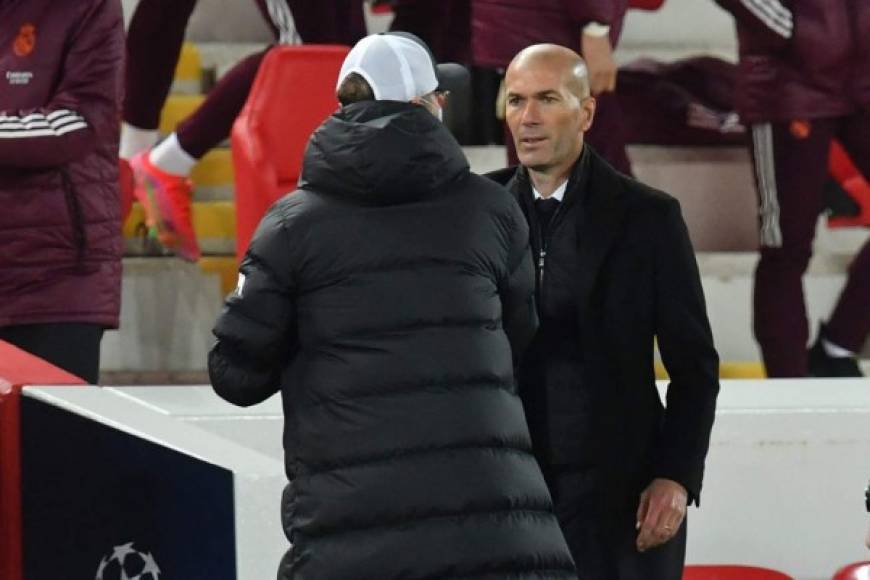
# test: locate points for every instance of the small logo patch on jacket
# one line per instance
(800, 129)
(25, 42)
(19, 77)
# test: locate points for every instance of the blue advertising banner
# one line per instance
(104, 504)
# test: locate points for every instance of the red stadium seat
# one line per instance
(293, 93)
(732, 572)
(856, 571)
(853, 182)
(17, 369)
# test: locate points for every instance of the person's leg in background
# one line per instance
(162, 183)
(445, 26)
(846, 331)
(607, 134)
(154, 40)
(790, 162)
(334, 22)
(162, 173)
(74, 347)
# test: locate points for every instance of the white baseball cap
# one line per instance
(398, 66)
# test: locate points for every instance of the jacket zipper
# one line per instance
(543, 242)
(76, 218)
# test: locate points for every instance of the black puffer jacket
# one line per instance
(383, 298)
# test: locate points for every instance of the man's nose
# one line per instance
(530, 114)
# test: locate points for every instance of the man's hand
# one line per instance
(599, 59)
(660, 513)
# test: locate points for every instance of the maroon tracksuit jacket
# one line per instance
(802, 59)
(60, 92)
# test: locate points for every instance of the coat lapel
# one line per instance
(598, 226)
(599, 223)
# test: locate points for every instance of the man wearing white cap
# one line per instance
(387, 299)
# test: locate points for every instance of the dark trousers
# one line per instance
(154, 42)
(791, 168)
(600, 531)
(72, 346)
(607, 134)
(445, 26)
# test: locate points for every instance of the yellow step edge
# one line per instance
(189, 66)
(225, 267)
(176, 109)
(727, 370)
(214, 169)
(211, 219)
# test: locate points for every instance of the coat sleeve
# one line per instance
(256, 331)
(84, 109)
(767, 18)
(686, 345)
(517, 289)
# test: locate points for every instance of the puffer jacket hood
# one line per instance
(382, 153)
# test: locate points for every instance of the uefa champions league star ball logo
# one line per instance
(127, 563)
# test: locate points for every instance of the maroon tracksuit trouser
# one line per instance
(791, 168)
(154, 41)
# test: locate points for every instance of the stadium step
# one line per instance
(213, 221)
(727, 370)
(213, 176)
(188, 71)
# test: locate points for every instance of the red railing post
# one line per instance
(17, 369)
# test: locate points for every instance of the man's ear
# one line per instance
(588, 104)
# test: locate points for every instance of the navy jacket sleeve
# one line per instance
(686, 345)
(256, 331)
